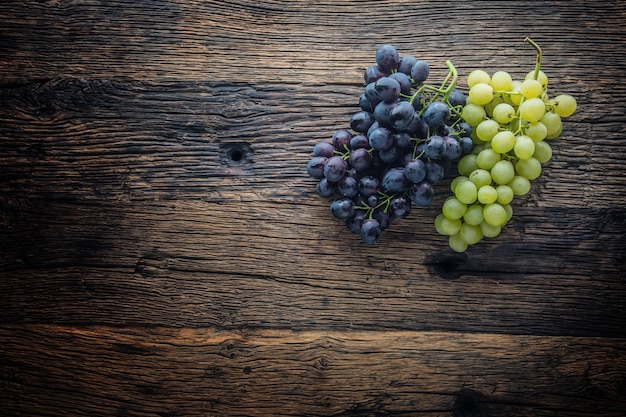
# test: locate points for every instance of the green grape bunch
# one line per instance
(512, 123)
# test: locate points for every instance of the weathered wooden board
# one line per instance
(163, 252)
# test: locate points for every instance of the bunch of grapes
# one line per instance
(511, 122)
(402, 142)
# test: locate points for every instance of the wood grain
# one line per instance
(163, 252)
(135, 372)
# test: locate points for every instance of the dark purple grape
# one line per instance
(373, 200)
(342, 208)
(402, 115)
(382, 113)
(395, 181)
(371, 95)
(370, 231)
(420, 71)
(465, 129)
(418, 103)
(326, 188)
(415, 170)
(400, 206)
(316, 165)
(360, 159)
(406, 63)
(467, 145)
(434, 147)
(404, 81)
(434, 172)
(348, 186)
(421, 194)
(380, 139)
(402, 140)
(365, 104)
(453, 148)
(373, 73)
(383, 217)
(435, 114)
(390, 155)
(335, 168)
(368, 186)
(387, 89)
(355, 222)
(341, 139)
(387, 58)
(456, 98)
(359, 141)
(444, 130)
(361, 121)
(323, 149)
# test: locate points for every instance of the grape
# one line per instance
(524, 147)
(454, 149)
(487, 158)
(400, 206)
(503, 141)
(473, 114)
(480, 177)
(532, 110)
(457, 98)
(436, 114)
(415, 170)
(387, 89)
(406, 63)
(315, 166)
(481, 94)
(487, 129)
(466, 192)
(470, 233)
(503, 113)
(368, 185)
(361, 121)
(494, 214)
(370, 231)
(359, 141)
(420, 71)
(543, 152)
(326, 188)
(342, 208)
(348, 186)
(380, 139)
(552, 122)
(404, 81)
(487, 194)
(434, 172)
(435, 147)
(467, 164)
(541, 77)
(501, 81)
(473, 215)
(402, 115)
(489, 230)
(453, 208)
(335, 168)
(505, 194)
(449, 226)
(387, 58)
(537, 131)
(421, 194)
(529, 168)
(531, 88)
(520, 185)
(502, 172)
(564, 105)
(395, 181)
(457, 243)
(324, 149)
(373, 73)
(390, 155)
(341, 138)
(478, 76)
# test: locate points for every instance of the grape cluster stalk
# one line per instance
(512, 122)
(405, 138)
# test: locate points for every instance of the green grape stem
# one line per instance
(539, 55)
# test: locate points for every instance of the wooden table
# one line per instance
(164, 253)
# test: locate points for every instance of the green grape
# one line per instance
(555, 134)
(480, 177)
(453, 208)
(487, 158)
(524, 147)
(532, 109)
(489, 107)
(466, 192)
(516, 97)
(456, 181)
(487, 129)
(471, 233)
(537, 131)
(543, 152)
(505, 194)
(474, 214)
(509, 212)
(446, 226)
(529, 168)
(457, 243)
(487, 194)
(531, 88)
(542, 78)
(520, 185)
(503, 141)
(467, 164)
(552, 122)
(494, 214)
(502, 172)
(473, 114)
(564, 105)
(481, 94)
(503, 113)
(489, 230)
(501, 81)
(478, 76)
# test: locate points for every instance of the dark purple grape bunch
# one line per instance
(405, 138)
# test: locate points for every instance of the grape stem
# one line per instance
(539, 54)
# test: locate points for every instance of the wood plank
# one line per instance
(296, 41)
(126, 371)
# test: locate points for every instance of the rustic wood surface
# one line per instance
(163, 252)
